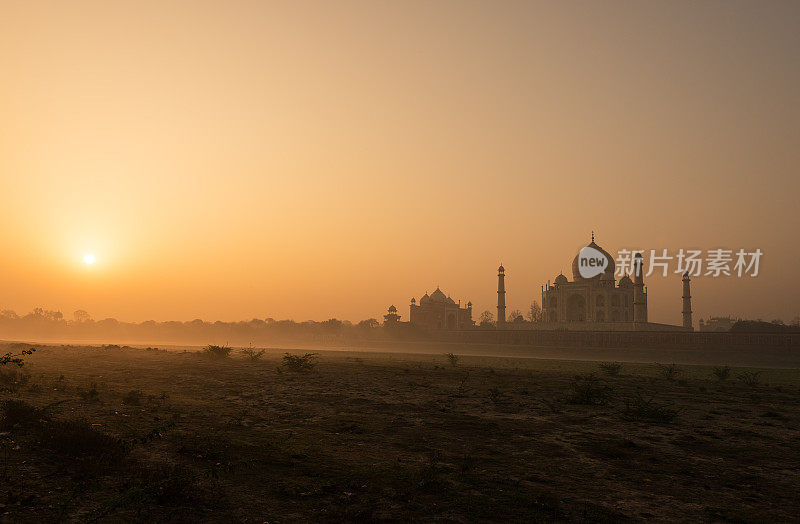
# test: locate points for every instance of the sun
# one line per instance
(89, 258)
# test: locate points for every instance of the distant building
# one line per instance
(440, 312)
(596, 299)
(717, 323)
(598, 303)
(391, 318)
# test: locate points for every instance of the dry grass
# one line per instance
(172, 437)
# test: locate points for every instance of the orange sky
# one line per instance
(230, 160)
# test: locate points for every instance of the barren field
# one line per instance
(110, 434)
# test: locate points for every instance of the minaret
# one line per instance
(639, 298)
(687, 303)
(501, 295)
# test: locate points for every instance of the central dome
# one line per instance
(608, 274)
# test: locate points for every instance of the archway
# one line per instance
(576, 308)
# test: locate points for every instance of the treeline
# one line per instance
(42, 324)
(761, 326)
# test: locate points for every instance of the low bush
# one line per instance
(253, 355)
(170, 485)
(610, 368)
(639, 408)
(495, 395)
(217, 352)
(75, 437)
(90, 394)
(304, 362)
(15, 413)
(133, 397)
(13, 379)
(670, 372)
(587, 390)
(17, 360)
(749, 378)
(452, 358)
(722, 373)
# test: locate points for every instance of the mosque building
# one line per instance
(440, 312)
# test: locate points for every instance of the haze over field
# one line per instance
(314, 160)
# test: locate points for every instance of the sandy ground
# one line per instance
(394, 436)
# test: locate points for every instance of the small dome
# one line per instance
(501, 269)
(425, 299)
(392, 309)
(625, 281)
(561, 279)
(469, 304)
(413, 300)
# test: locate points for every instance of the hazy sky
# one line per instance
(307, 160)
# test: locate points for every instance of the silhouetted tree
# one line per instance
(8, 314)
(332, 324)
(44, 314)
(534, 312)
(486, 319)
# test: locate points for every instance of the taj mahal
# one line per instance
(599, 302)
(585, 303)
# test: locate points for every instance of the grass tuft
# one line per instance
(610, 368)
(452, 358)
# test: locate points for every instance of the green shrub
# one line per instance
(749, 378)
(17, 360)
(89, 394)
(133, 397)
(304, 362)
(610, 368)
(13, 379)
(253, 355)
(670, 372)
(217, 352)
(722, 373)
(77, 438)
(587, 390)
(495, 395)
(639, 408)
(15, 413)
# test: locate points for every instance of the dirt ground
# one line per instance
(128, 434)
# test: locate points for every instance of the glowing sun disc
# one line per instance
(89, 258)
